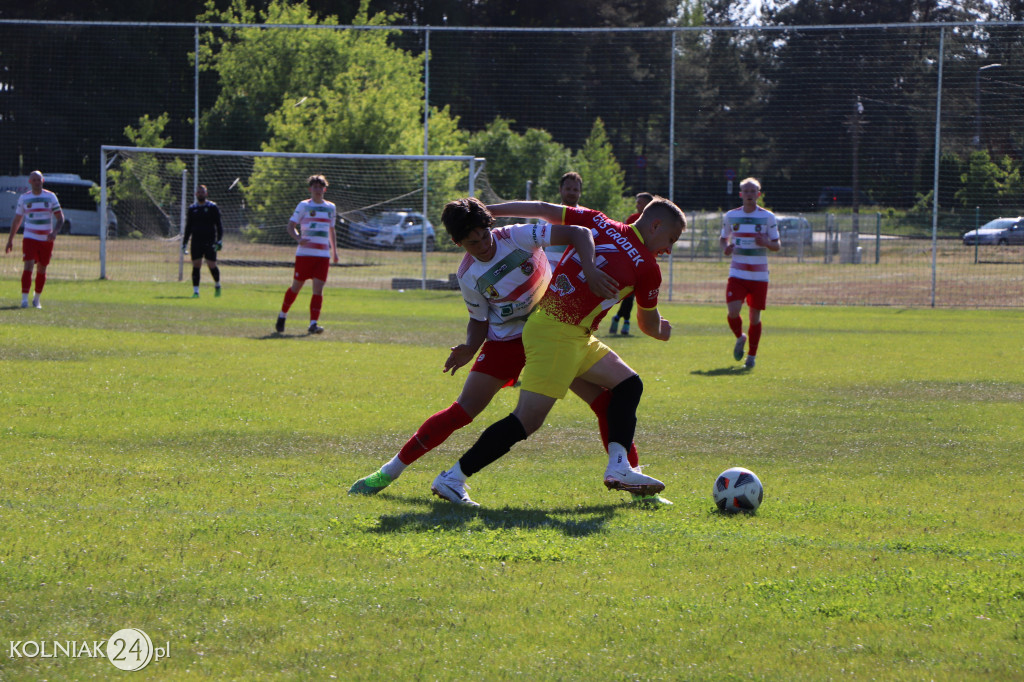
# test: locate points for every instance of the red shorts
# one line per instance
(754, 293)
(39, 251)
(501, 359)
(312, 267)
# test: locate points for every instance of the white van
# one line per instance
(81, 211)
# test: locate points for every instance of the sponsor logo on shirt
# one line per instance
(562, 285)
(526, 268)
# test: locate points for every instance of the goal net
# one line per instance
(388, 233)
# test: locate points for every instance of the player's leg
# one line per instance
(211, 264)
(28, 250)
(43, 254)
(598, 398)
(497, 365)
(625, 310)
(756, 302)
(289, 297)
(197, 264)
(626, 388)
(735, 292)
(316, 302)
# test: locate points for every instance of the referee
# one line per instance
(202, 224)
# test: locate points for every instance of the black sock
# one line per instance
(215, 271)
(195, 277)
(622, 406)
(495, 441)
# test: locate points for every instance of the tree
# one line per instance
(992, 187)
(328, 91)
(513, 159)
(603, 178)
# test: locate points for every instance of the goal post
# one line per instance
(387, 205)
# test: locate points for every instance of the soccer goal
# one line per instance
(388, 227)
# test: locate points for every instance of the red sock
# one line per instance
(289, 298)
(433, 432)
(40, 281)
(315, 303)
(26, 281)
(600, 408)
(755, 337)
(736, 325)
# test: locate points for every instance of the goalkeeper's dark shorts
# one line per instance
(205, 250)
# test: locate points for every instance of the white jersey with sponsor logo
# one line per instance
(315, 222)
(749, 261)
(504, 290)
(38, 210)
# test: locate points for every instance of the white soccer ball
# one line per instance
(737, 490)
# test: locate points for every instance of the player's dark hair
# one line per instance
(462, 216)
(571, 175)
(317, 180)
(645, 195)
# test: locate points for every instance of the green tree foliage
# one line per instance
(603, 178)
(991, 186)
(326, 91)
(513, 159)
(143, 186)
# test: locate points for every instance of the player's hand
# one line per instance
(665, 331)
(9, 247)
(218, 246)
(459, 356)
(729, 248)
(602, 284)
(760, 239)
(184, 248)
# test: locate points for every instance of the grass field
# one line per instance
(172, 465)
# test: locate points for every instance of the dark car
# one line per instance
(841, 196)
(1000, 231)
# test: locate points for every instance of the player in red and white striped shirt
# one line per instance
(37, 209)
(748, 234)
(312, 226)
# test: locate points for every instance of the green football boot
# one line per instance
(371, 485)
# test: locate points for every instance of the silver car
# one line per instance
(793, 230)
(1000, 231)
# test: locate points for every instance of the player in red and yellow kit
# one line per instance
(559, 342)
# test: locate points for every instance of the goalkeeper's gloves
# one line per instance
(184, 247)
(217, 246)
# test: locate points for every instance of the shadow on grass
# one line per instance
(721, 371)
(579, 521)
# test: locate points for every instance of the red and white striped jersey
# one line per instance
(749, 261)
(38, 211)
(504, 290)
(315, 222)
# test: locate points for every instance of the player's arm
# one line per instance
(476, 334)
(653, 324)
(770, 244)
(334, 243)
(541, 210)
(59, 215)
(293, 231)
(582, 239)
(15, 225)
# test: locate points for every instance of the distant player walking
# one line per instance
(748, 233)
(203, 225)
(312, 226)
(37, 209)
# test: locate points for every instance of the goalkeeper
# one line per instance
(202, 224)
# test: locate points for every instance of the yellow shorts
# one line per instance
(556, 353)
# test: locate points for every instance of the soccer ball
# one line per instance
(737, 489)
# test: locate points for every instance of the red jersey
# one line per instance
(620, 252)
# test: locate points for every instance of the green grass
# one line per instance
(172, 465)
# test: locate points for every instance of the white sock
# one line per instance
(35, 300)
(394, 467)
(456, 473)
(282, 316)
(195, 290)
(218, 285)
(617, 456)
(24, 298)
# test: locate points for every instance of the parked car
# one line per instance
(998, 231)
(841, 196)
(793, 230)
(401, 229)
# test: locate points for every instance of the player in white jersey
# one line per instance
(502, 276)
(37, 209)
(312, 226)
(748, 234)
